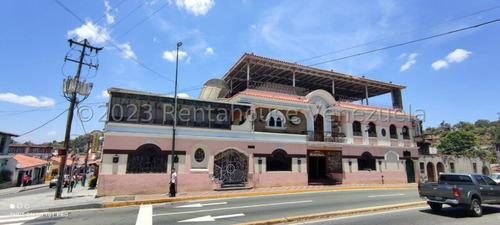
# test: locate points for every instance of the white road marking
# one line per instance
(376, 196)
(145, 216)
(17, 218)
(199, 205)
(209, 218)
(237, 207)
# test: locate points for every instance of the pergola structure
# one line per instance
(256, 72)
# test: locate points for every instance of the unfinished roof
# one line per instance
(265, 70)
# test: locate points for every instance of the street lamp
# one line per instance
(175, 105)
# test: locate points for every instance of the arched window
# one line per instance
(366, 162)
(275, 119)
(147, 159)
(406, 132)
(393, 132)
(279, 161)
(372, 130)
(356, 128)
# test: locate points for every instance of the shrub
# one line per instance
(92, 182)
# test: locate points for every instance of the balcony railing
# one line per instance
(326, 137)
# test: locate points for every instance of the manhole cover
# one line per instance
(125, 198)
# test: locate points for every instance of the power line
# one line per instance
(401, 34)
(45, 123)
(130, 13)
(142, 21)
(408, 42)
(112, 44)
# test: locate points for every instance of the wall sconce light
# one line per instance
(116, 158)
(299, 161)
(380, 162)
(259, 161)
(176, 159)
(349, 162)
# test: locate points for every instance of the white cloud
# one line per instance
(171, 55)
(402, 56)
(156, 40)
(51, 133)
(410, 62)
(196, 7)
(182, 95)
(92, 32)
(439, 65)
(253, 26)
(209, 51)
(127, 51)
(458, 55)
(104, 94)
(109, 17)
(27, 100)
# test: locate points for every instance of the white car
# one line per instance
(53, 182)
(495, 177)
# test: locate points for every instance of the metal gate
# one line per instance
(231, 167)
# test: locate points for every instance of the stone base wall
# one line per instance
(278, 179)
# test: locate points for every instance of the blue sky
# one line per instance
(453, 77)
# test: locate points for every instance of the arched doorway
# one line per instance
(319, 134)
(486, 171)
(316, 165)
(410, 171)
(440, 167)
(431, 177)
(231, 167)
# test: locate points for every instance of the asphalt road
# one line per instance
(230, 210)
(422, 215)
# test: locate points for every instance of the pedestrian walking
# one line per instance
(26, 180)
(173, 183)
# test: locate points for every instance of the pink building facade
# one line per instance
(265, 123)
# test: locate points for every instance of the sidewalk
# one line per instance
(13, 203)
(12, 190)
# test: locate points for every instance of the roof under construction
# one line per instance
(279, 74)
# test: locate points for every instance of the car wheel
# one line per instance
(475, 208)
(435, 206)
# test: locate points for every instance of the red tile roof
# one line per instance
(28, 161)
(272, 95)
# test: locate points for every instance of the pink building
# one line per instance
(265, 123)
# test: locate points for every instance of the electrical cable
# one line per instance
(142, 21)
(45, 123)
(401, 34)
(408, 42)
(113, 45)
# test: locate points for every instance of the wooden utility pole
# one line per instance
(72, 99)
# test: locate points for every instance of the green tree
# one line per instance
(466, 126)
(482, 123)
(456, 142)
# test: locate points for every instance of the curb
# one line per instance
(336, 213)
(66, 208)
(259, 193)
(29, 189)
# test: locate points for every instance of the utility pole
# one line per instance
(175, 107)
(71, 88)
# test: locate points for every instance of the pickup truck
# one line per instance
(461, 189)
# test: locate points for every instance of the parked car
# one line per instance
(53, 182)
(495, 177)
(461, 189)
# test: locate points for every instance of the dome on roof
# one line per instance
(214, 89)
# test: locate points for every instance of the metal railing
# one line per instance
(326, 137)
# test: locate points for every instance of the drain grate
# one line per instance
(125, 198)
